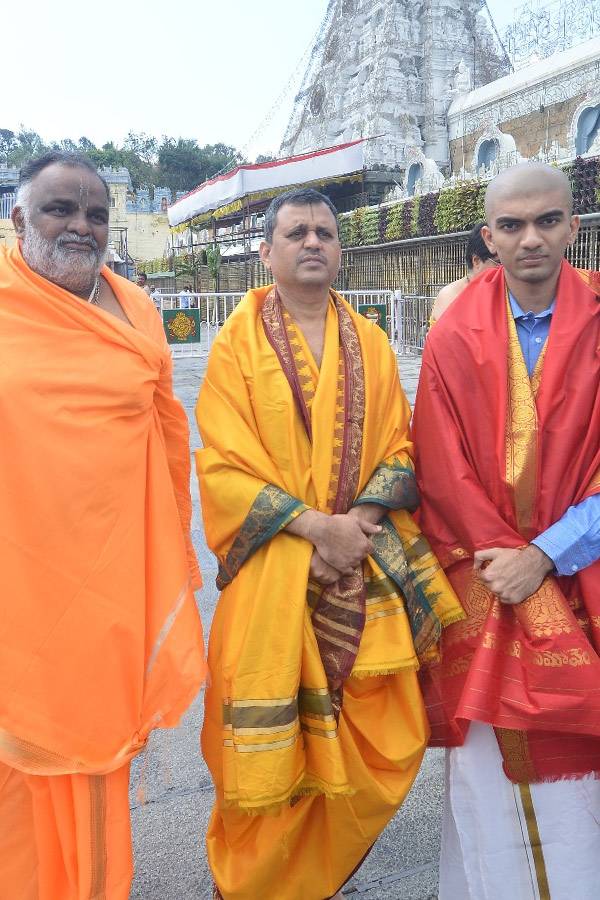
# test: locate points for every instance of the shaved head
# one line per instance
(530, 224)
(527, 180)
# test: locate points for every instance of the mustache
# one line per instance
(312, 254)
(73, 238)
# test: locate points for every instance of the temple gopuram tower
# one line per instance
(387, 70)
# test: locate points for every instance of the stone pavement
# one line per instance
(168, 831)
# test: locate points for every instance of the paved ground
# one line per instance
(168, 831)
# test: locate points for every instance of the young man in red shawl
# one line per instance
(507, 426)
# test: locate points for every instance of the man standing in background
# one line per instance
(142, 282)
(478, 258)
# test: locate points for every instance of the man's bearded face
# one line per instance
(63, 226)
(59, 261)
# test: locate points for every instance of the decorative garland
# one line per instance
(451, 209)
(152, 266)
(236, 205)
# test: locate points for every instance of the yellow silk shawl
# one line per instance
(259, 469)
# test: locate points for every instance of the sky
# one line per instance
(211, 70)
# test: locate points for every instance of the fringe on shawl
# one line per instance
(275, 809)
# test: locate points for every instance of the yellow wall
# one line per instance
(532, 131)
(147, 234)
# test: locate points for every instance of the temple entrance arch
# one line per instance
(488, 151)
(587, 133)
(415, 172)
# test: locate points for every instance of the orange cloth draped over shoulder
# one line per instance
(307, 776)
(100, 638)
(500, 458)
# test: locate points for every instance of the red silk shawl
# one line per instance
(496, 468)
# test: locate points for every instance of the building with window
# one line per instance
(548, 110)
(139, 227)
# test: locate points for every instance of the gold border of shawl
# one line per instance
(522, 429)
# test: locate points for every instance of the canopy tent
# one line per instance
(247, 180)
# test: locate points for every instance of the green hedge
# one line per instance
(584, 175)
(453, 209)
(152, 266)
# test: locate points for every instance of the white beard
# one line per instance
(73, 270)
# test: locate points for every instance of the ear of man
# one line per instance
(18, 220)
(264, 251)
(574, 230)
(486, 234)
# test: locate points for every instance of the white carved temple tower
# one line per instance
(387, 70)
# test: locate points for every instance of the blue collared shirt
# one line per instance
(573, 542)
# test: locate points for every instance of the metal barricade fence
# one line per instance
(413, 322)
(209, 311)
(365, 301)
(212, 309)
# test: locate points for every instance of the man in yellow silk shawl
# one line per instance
(100, 639)
(314, 727)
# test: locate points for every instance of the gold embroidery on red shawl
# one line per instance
(514, 746)
(574, 656)
(521, 430)
(476, 605)
(544, 614)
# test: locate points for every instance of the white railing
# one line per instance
(212, 308)
(7, 202)
(375, 299)
(414, 312)
(406, 316)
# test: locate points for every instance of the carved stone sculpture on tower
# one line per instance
(462, 79)
(389, 67)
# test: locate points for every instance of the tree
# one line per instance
(28, 145)
(219, 157)
(213, 261)
(8, 143)
(142, 174)
(143, 146)
(109, 155)
(183, 165)
(180, 165)
(66, 146)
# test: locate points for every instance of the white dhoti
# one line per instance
(505, 841)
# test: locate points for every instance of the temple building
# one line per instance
(386, 71)
(548, 110)
(438, 95)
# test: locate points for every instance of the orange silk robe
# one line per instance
(306, 779)
(100, 638)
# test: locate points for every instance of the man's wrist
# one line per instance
(542, 563)
(371, 512)
(307, 525)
